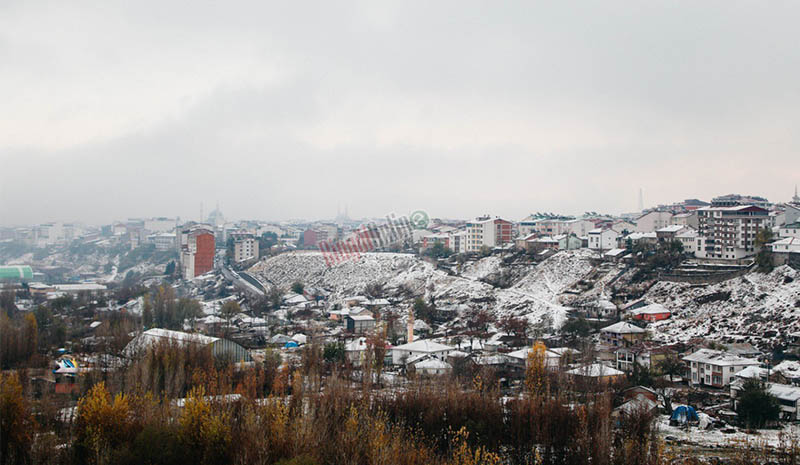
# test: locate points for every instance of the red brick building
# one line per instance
(197, 251)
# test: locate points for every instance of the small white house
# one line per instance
(432, 366)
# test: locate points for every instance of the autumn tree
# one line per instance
(103, 423)
(536, 369)
(206, 435)
(16, 422)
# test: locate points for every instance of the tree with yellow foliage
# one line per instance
(206, 434)
(16, 423)
(536, 369)
(103, 422)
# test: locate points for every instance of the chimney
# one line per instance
(410, 335)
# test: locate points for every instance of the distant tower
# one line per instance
(796, 198)
(410, 328)
(641, 200)
(201, 212)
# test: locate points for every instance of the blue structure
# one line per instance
(684, 414)
(290, 345)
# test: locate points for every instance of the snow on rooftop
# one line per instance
(595, 370)
(652, 309)
(424, 345)
(623, 327)
(718, 357)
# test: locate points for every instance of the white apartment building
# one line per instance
(458, 242)
(603, 239)
(489, 232)
(730, 232)
(715, 368)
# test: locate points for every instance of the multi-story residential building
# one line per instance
(245, 247)
(653, 221)
(197, 250)
(527, 226)
(715, 368)
(489, 232)
(603, 239)
(730, 232)
(458, 242)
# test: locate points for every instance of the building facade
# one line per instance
(245, 247)
(730, 232)
(489, 232)
(197, 251)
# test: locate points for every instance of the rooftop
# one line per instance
(717, 357)
(424, 345)
(623, 327)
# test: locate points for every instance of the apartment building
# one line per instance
(197, 250)
(245, 247)
(730, 232)
(715, 368)
(489, 232)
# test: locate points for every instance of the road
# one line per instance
(243, 280)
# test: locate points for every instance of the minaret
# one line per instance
(410, 329)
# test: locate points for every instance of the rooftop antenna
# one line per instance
(641, 201)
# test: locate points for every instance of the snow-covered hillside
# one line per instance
(535, 295)
(758, 308)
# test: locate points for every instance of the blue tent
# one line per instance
(290, 344)
(684, 414)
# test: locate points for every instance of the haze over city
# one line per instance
(281, 111)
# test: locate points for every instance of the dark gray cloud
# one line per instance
(287, 109)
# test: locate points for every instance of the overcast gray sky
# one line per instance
(110, 110)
